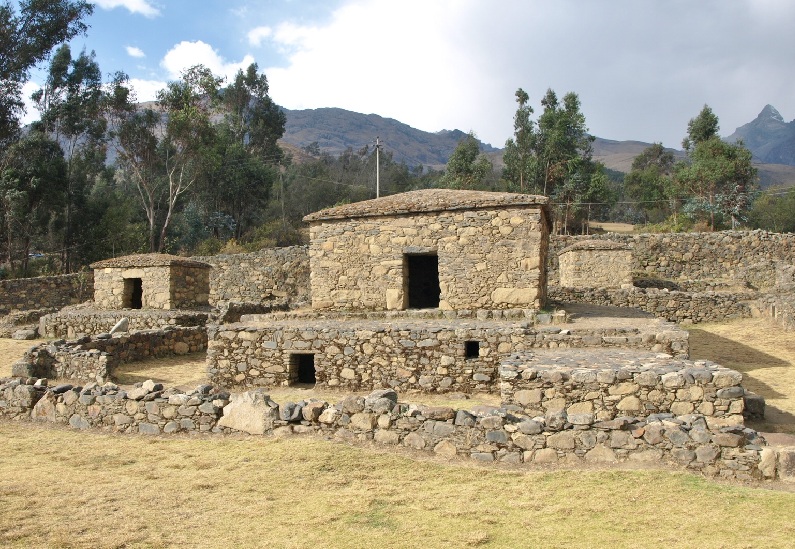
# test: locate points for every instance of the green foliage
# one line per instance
(701, 128)
(518, 156)
(774, 211)
(32, 185)
(718, 182)
(466, 169)
(26, 38)
(650, 183)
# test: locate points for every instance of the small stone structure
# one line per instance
(595, 264)
(433, 248)
(95, 359)
(151, 281)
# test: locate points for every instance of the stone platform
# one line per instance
(413, 350)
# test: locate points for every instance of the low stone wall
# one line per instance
(588, 387)
(780, 308)
(484, 433)
(261, 276)
(41, 292)
(83, 321)
(94, 359)
(674, 306)
(747, 257)
(405, 354)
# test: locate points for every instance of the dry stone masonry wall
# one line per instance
(595, 264)
(22, 294)
(588, 387)
(259, 277)
(674, 306)
(745, 257)
(489, 251)
(483, 433)
(402, 353)
(83, 321)
(95, 359)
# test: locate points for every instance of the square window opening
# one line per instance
(302, 369)
(471, 349)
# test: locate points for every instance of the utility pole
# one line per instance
(377, 167)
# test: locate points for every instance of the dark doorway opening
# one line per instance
(471, 349)
(422, 272)
(133, 293)
(302, 369)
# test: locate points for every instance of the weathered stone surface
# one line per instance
(600, 454)
(251, 412)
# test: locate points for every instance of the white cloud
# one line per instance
(133, 6)
(187, 54)
(642, 70)
(146, 90)
(31, 114)
(257, 35)
(132, 51)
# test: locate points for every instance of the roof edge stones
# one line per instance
(149, 260)
(425, 201)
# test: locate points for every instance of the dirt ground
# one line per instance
(764, 353)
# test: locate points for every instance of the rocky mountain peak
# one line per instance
(770, 112)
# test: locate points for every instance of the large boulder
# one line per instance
(252, 412)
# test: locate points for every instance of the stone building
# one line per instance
(424, 290)
(433, 248)
(595, 264)
(151, 281)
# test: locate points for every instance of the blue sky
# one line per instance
(642, 68)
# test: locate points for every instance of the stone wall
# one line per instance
(257, 277)
(779, 308)
(741, 257)
(83, 321)
(674, 306)
(585, 388)
(483, 433)
(402, 353)
(95, 359)
(595, 264)
(42, 292)
(487, 259)
(163, 287)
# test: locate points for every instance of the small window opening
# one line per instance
(422, 273)
(472, 349)
(133, 293)
(302, 369)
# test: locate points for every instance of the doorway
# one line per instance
(422, 280)
(133, 293)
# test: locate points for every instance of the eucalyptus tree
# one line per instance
(31, 194)
(161, 151)
(519, 155)
(27, 35)
(717, 178)
(70, 104)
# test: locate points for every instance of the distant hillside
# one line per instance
(768, 137)
(335, 130)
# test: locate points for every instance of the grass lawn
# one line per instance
(61, 488)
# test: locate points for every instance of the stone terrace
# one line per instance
(404, 352)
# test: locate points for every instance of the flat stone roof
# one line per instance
(148, 260)
(427, 200)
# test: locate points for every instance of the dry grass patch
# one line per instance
(61, 488)
(764, 353)
(12, 350)
(184, 372)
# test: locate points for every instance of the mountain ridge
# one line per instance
(770, 139)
